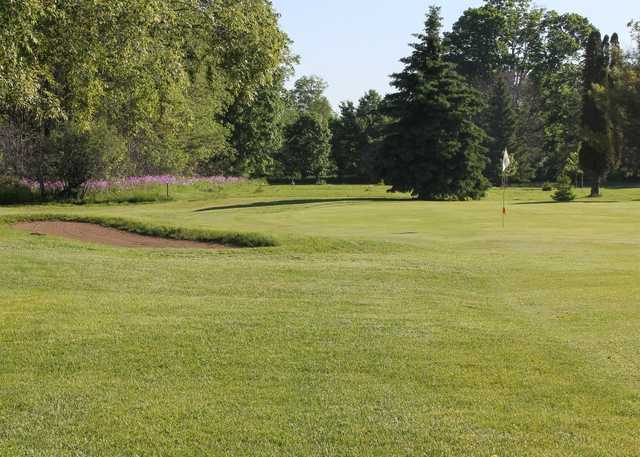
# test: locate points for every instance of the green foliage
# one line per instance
(564, 190)
(357, 136)
(560, 109)
(433, 147)
(81, 155)
(623, 96)
(537, 52)
(307, 96)
(547, 187)
(258, 124)
(307, 149)
(597, 155)
(13, 192)
(346, 140)
(162, 74)
(501, 128)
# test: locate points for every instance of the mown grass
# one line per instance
(378, 326)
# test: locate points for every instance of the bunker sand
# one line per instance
(93, 233)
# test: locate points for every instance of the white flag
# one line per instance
(506, 161)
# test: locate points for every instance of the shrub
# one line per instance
(13, 191)
(84, 155)
(564, 190)
(547, 187)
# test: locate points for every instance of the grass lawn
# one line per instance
(378, 326)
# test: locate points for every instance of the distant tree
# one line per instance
(564, 190)
(307, 148)
(434, 148)
(374, 122)
(626, 95)
(538, 52)
(572, 166)
(501, 127)
(258, 124)
(623, 98)
(596, 155)
(357, 134)
(347, 140)
(308, 97)
(614, 108)
(560, 104)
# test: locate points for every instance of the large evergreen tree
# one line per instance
(596, 155)
(433, 149)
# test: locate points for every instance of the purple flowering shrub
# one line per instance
(130, 189)
(146, 181)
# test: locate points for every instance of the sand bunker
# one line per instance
(93, 233)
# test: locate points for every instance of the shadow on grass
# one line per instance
(587, 202)
(268, 204)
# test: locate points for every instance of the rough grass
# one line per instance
(378, 326)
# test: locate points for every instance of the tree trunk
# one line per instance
(595, 187)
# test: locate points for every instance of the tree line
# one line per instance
(94, 89)
(548, 87)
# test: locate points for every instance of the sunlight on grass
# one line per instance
(377, 324)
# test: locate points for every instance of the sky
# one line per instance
(356, 44)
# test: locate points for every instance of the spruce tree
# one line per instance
(596, 155)
(501, 127)
(433, 148)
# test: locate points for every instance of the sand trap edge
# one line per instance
(226, 239)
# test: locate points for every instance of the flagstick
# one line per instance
(506, 162)
(504, 198)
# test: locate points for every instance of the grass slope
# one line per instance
(378, 326)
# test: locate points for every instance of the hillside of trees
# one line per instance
(98, 90)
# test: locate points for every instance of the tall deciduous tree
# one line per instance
(161, 73)
(539, 53)
(433, 149)
(258, 125)
(308, 97)
(629, 98)
(307, 149)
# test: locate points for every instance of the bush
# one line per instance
(564, 190)
(85, 154)
(12, 192)
(547, 187)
